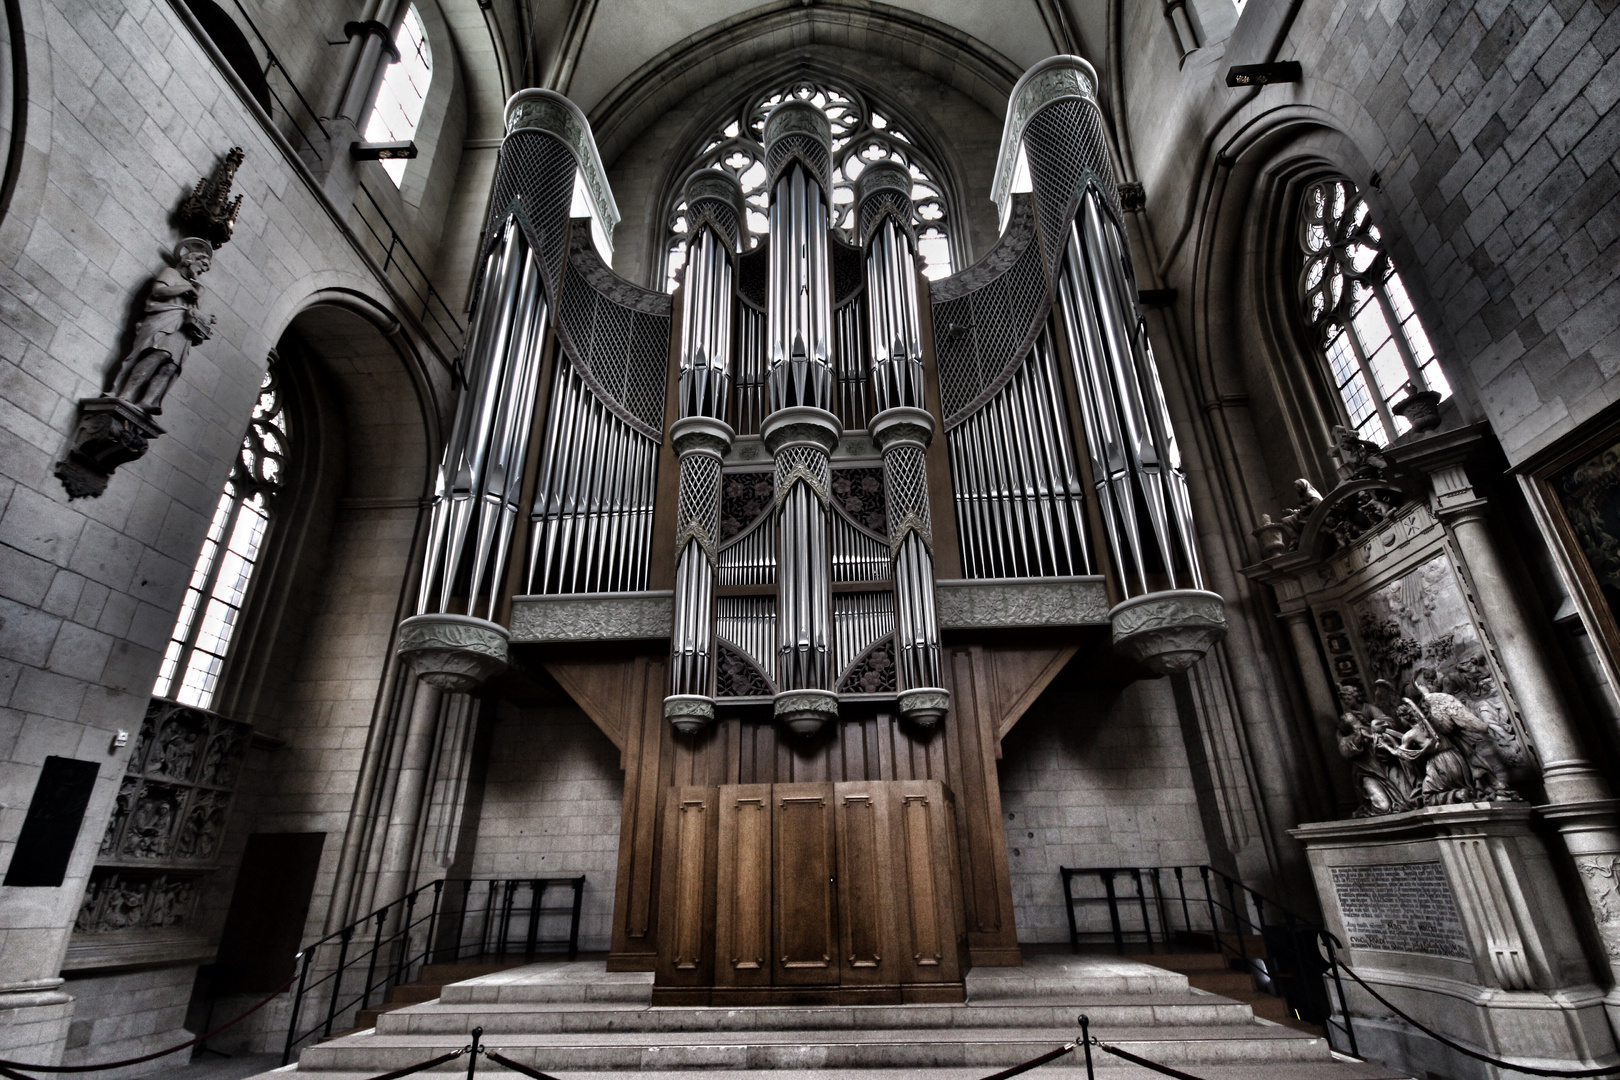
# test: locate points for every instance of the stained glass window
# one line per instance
(404, 88)
(1357, 305)
(219, 581)
(862, 135)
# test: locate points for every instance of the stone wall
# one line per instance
(1093, 778)
(127, 1015)
(552, 800)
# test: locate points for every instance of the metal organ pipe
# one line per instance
(715, 215)
(800, 430)
(902, 429)
(1166, 621)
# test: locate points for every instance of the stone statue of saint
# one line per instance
(172, 324)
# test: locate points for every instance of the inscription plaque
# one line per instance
(1400, 907)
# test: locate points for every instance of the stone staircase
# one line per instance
(577, 1018)
(1208, 967)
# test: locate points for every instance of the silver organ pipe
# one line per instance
(902, 429)
(800, 430)
(1167, 620)
(452, 640)
(715, 216)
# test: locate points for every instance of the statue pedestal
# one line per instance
(1455, 915)
(111, 432)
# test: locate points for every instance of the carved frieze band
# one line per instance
(593, 617)
(995, 604)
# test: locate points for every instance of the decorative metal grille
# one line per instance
(618, 336)
(981, 336)
(538, 169)
(1060, 170)
(862, 135)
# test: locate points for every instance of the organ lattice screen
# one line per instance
(1355, 301)
(862, 135)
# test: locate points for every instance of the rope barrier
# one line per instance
(1568, 1074)
(7, 1066)
(1090, 1040)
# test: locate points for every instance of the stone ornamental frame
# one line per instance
(1574, 569)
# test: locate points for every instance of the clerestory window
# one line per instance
(404, 88)
(862, 135)
(219, 581)
(1357, 306)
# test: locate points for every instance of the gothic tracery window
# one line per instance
(398, 108)
(861, 135)
(219, 581)
(1357, 305)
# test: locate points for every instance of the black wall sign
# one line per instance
(52, 826)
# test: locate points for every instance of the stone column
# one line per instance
(1579, 800)
(1319, 696)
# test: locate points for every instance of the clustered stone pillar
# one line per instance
(902, 430)
(715, 215)
(800, 431)
(1580, 804)
(1166, 620)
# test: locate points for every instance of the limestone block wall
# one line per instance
(123, 1016)
(552, 800)
(127, 111)
(1094, 779)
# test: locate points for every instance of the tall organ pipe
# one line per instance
(452, 641)
(902, 429)
(800, 431)
(1166, 619)
(715, 215)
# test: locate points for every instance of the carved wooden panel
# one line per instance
(930, 915)
(805, 865)
(687, 902)
(866, 884)
(743, 906)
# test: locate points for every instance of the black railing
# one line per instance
(400, 267)
(273, 62)
(441, 922)
(1172, 907)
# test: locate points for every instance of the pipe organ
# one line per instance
(806, 538)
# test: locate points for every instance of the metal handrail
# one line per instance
(395, 941)
(395, 256)
(274, 61)
(1298, 953)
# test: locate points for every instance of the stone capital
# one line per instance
(1168, 631)
(801, 425)
(900, 426)
(701, 434)
(456, 653)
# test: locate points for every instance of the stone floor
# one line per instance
(579, 1020)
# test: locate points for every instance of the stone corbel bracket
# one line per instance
(456, 653)
(1168, 631)
(110, 433)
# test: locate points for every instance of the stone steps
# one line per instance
(581, 1019)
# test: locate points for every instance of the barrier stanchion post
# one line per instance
(1085, 1041)
(473, 1051)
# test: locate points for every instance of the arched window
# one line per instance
(1358, 307)
(862, 135)
(219, 580)
(404, 88)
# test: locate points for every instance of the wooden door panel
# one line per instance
(687, 894)
(928, 880)
(743, 908)
(805, 868)
(866, 879)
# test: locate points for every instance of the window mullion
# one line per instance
(1397, 332)
(189, 646)
(1373, 390)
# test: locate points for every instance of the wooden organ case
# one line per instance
(753, 507)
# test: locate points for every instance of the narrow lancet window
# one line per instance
(1356, 304)
(212, 608)
(404, 88)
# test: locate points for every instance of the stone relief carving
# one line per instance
(1168, 631)
(133, 901)
(974, 604)
(1438, 729)
(1601, 875)
(604, 618)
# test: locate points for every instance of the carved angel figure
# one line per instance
(173, 322)
(1473, 738)
(1447, 775)
(1358, 459)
